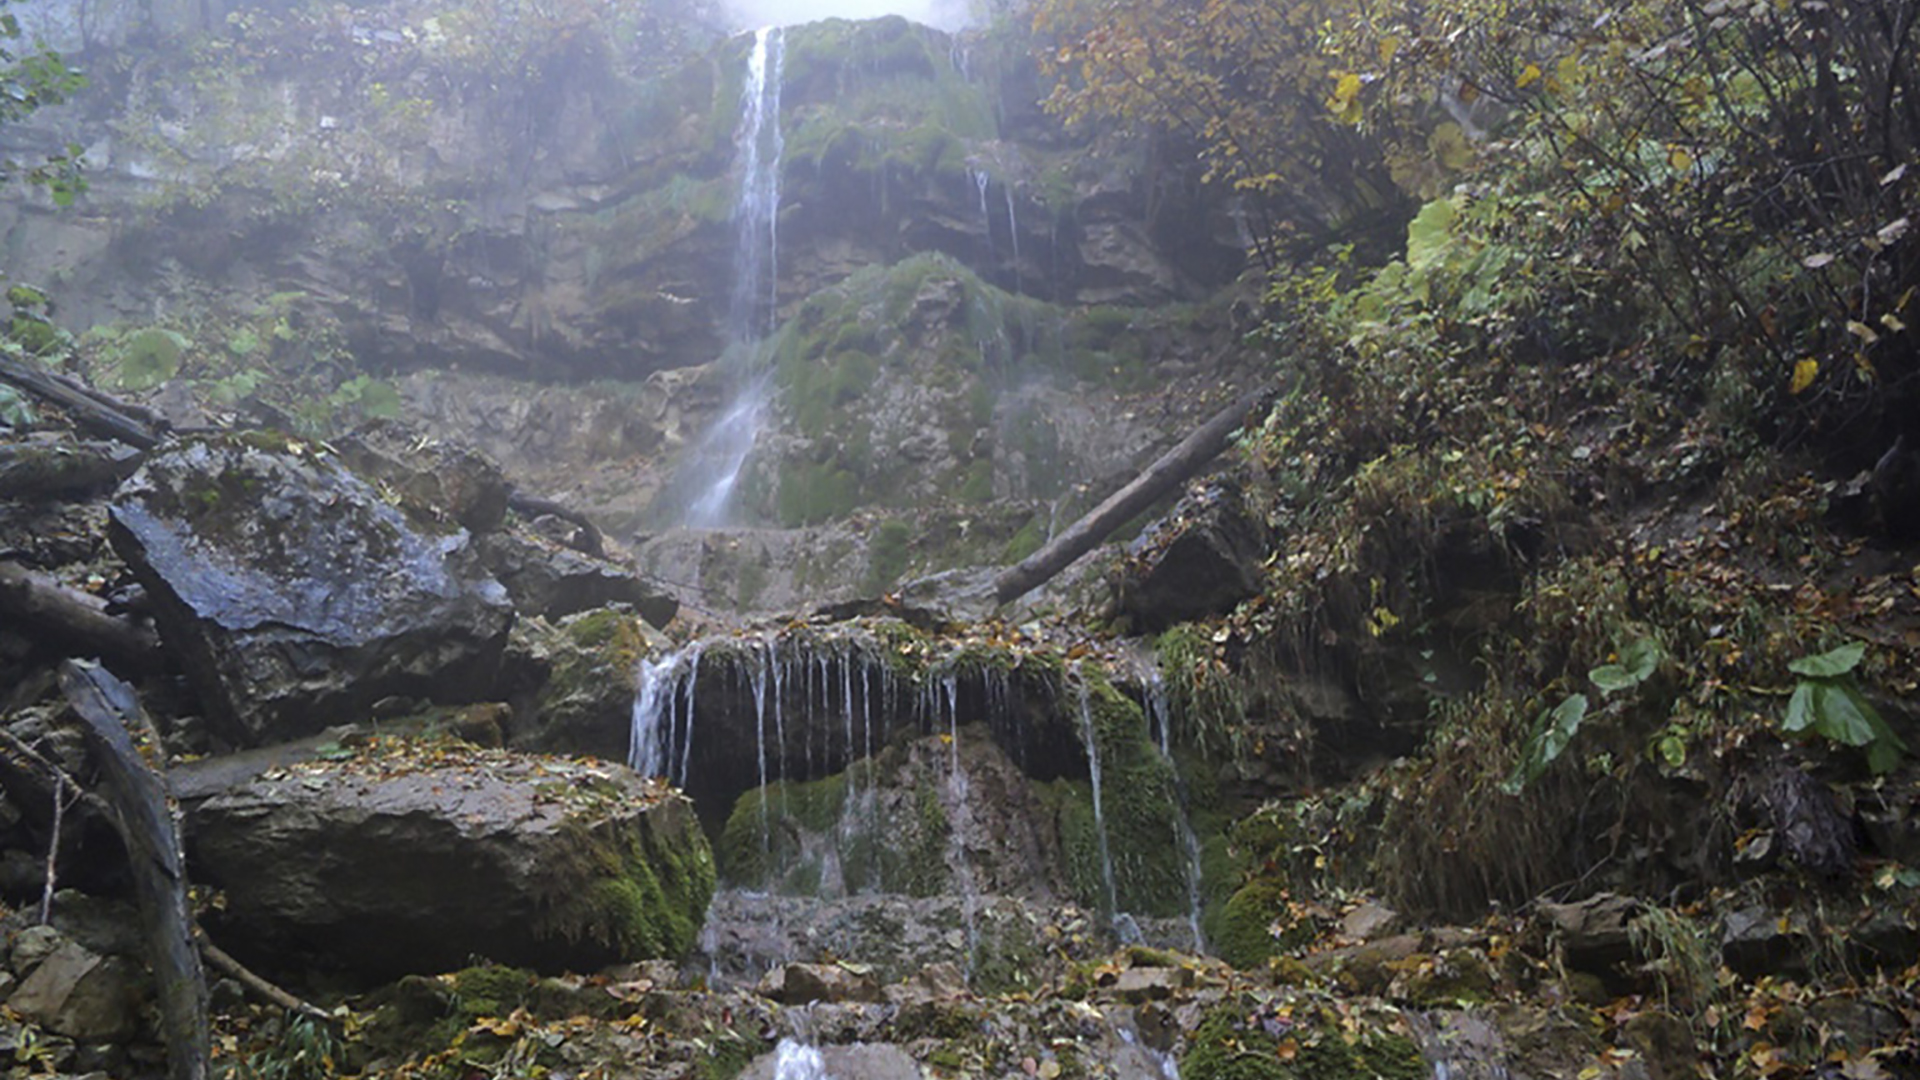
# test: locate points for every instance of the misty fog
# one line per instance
(945, 14)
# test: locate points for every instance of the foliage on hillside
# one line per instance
(1576, 483)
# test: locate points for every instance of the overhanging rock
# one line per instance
(418, 858)
(295, 595)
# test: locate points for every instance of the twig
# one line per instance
(254, 984)
(53, 844)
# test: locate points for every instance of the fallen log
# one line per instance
(1166, 473)
(76, 620)
(92, 411)
(147, 824)
(34, 469)
(588, 541)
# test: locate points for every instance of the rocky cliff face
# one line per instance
(971, 303)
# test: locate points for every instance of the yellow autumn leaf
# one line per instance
(1528, 76)
(1804, 373)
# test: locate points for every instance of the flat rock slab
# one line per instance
(419, 857)
(296, 595)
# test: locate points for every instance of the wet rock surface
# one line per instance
(413, 858)
(1201, 559)
(549, 579)
(295, 595)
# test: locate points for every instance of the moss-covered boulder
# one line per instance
(415, 857)
(1301, 1037)
(577, 677)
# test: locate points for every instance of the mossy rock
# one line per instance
(1243, 931)
(779, 837)
(651, 890)
(1140, 807)
(1235, 1042)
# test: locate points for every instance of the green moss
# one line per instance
(729, 1054)
(780, 843)
(488, 990)
(1227, 1046)
(978, 486)
(762, 840)
(1240, 934)
(1139, 803)
(649, 886)
(1025, 542)
(598, 629)
(887, 553)
(812, 492)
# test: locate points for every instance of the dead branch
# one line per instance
(253, 983)
(147, 824)
(1166, 473)
(76, 620)
(92, 411)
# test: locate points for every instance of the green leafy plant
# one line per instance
(1827, 702)
(1556, 727)
(1636, 665)
(146, 358)
(307, 1049)
(1551, 734)
(15, 409)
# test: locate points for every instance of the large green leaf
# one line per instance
(1637, 664)
(1837, 710)
(1841, 714)
(1430, 234)
(1552, 732)
(15, 409)
(1832, 664)
(150, 357)
(1800, 708)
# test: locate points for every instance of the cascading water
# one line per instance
(662, 729)
(1093, 773)
(1160, 718)
(711, 472)
(795, 1060)
(1013, 227)
(959, 814)
(982, 180)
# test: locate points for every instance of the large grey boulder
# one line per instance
(295, 595)
(1201, 559)
(551, 580)
(79, 993)
(418, 858)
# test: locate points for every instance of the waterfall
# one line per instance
(1160, 715)
(795, 1060)
(663, 714)
(649, 742)
(1013, 227)
(759, 677)
(1093, 772)
(959, 814)
(982, 180)
(712, 471)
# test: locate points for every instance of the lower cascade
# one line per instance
(865, 774)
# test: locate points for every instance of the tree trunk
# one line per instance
(1168, 472)
(147, 824)
(76, 620)
(94, 412)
